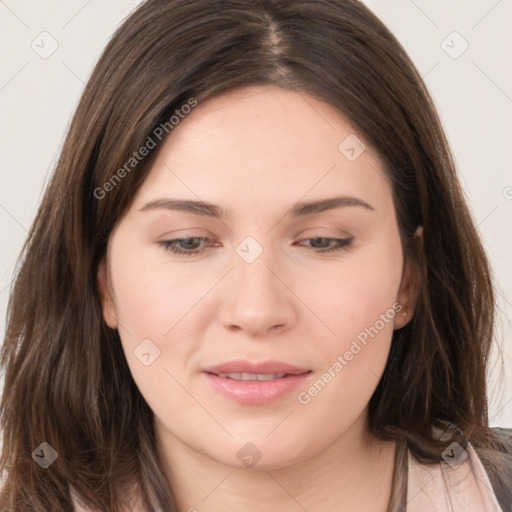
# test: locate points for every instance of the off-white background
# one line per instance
(473, 94)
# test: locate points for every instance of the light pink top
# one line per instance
(439, 488)
(443, 488)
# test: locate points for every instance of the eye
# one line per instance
(176, 245)
(192, 245)
(324, 243)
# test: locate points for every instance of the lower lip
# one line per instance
(254, 392)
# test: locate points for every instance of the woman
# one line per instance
(253, 282)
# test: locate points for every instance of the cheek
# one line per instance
(156, 304)
(352, 298)
(151, 295)
(358, 304)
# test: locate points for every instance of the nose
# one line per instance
(258, 297)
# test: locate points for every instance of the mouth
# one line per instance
(253, 383)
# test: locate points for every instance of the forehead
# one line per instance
(264, 143)
(281, 122)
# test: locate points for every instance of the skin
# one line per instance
(255, 152)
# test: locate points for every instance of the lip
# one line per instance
(255, 392)
(246, 366)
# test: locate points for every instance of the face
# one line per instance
(298, 294)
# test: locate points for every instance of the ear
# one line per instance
(409, 287)
(107, 303)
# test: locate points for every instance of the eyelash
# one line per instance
(171, 245)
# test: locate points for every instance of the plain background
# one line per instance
(472, 88)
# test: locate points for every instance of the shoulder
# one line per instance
(458, 482)
(504, 439)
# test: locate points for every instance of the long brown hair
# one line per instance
(67, 381)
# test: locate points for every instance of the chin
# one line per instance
(258, 453)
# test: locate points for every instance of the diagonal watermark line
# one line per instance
(5, 288)
(318, 113)
(490, 213)
(319, 180)
(373, 373)
(503, 297)
(501, 410)
(73, 72)
(280, 423)
(198, 301)
(485, 15)
(420, 490)
(199, 403)
(216, 487)
(487, 484)
(14, 76)
(76, 14)
(13, 217)
(377, 171)
(10, 275)
(492, 81)
(292, 497)
(13, 13)
(434, 66)
(424, 13)
(170, 170)
(301, 300)
(124, 328)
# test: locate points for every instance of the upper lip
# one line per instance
(261, 367)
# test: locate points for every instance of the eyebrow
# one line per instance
(299, 209)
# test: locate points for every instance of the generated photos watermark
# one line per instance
(305, 397)
(151, 142)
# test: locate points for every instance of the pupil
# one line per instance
(315, 240)
(187, 242)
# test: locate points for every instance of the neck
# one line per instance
(352, 474)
